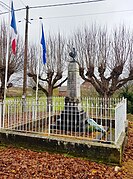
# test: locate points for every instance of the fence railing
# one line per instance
(94, 119)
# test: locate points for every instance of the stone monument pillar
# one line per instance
(73, 83)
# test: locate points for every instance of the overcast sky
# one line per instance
(68, 18)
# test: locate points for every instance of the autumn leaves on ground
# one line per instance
(26, 164)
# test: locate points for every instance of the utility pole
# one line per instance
(25, 54)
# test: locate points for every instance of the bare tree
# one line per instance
(50, 74)
(106, 61)
(14, 62)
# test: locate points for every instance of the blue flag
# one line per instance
(43, 46)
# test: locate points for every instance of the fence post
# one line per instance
(125, 108)
(33, 112)
(3, 108)
(115, 126)
(0, 115)
(49, 110)
(125, 116)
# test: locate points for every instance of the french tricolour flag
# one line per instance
(13, 25)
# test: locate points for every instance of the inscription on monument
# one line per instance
(73, 84)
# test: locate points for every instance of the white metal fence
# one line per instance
(120, 118)
(94, 119)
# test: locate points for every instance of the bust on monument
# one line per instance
(73, 54)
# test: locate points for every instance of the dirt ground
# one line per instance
(27, 164)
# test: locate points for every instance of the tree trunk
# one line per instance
(49, 99)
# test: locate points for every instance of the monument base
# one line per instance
(72, 118)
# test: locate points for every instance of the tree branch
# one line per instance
(60, 83)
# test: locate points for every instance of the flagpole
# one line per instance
(37, 82)
(38, 67)
(44, 57)
(7, 53)
(6, 67)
